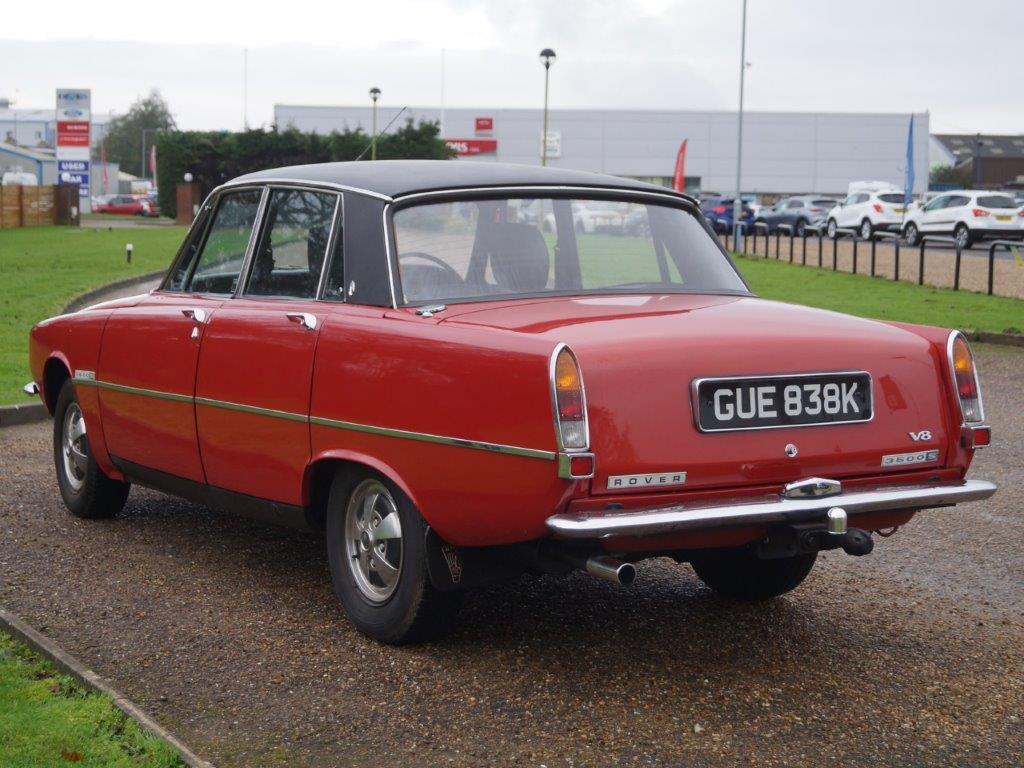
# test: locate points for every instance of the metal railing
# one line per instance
(759, 229)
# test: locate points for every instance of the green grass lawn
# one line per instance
(47, 719)
(43, 268)
(879, 298)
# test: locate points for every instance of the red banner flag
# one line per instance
(679, 180)
(152, 161)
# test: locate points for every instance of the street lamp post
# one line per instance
(546, 57)
(737, 204)
(374, 94)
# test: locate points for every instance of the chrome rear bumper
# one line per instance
(768, 509)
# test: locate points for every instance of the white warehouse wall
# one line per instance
(783, 152)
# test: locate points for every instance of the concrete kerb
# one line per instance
(69, 665)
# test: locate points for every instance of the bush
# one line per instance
(214, 157)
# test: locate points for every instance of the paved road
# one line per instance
(228, 632)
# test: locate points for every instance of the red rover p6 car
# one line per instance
(429, 362)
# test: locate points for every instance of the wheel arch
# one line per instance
(319, 474)
(56, 371)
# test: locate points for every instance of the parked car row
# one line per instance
(966, 215)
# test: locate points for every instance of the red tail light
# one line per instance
(719, 209)
(979, 212)
(816, 210)
(570, 401)
(877, 207)
(1021, 213)
(965, 379)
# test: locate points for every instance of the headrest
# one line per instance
(519, 256)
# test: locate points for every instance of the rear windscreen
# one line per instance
(891, 198)
(824, 203)
(997, 201)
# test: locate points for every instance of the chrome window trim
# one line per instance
(459, 442)
(322, 185)
(950, 340)
(337, 229)
(264, 204)
(400, 201)
(695, 404)
(552, 360)
(250, 248)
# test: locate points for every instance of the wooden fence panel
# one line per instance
(31, 206)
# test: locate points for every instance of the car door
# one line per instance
(928, 219)
(255, 367)
(954, 211)
(792, 212)
(147, 367)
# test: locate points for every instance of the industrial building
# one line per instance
(783, 152)
(38, 127)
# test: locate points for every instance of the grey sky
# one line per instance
(820, 55)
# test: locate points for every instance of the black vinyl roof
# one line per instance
(394, 178)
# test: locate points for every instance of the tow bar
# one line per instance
(802, 538)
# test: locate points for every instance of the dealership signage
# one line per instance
(73, 135)
(484, 124)
(466, 147)
(553, 146)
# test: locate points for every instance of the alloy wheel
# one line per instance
(373, 540)
(74, 447)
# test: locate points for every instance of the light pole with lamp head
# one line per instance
(546, 57)
(374, 94)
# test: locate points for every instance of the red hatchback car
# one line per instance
(409, 357)
(126, 205)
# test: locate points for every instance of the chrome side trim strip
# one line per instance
(772, 509)
(254, 409)
(134, 390)
(305, 183)
(479, 445)
(513, 450)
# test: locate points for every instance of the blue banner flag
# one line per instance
(908, 179)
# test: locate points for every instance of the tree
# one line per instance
(947, 174)
(123, 141)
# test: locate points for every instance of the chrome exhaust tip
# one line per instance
(610, 569)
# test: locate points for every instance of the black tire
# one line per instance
(962, 234)
(801, 227)
(910, 234)
(414, 610)
(761, 224)
(86, 491)
(867, 230)
(738, 574)
(831, 229)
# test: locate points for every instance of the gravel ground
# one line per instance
(939, 266)
(228, 633)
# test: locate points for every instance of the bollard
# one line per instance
(128, 248)
(956, 269)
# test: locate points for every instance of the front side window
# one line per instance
(292, 247)
(508, 247)
(938, 202)
(221, 256)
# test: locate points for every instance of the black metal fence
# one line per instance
(758, 237)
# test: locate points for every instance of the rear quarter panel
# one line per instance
(400, 371)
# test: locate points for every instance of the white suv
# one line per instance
(867, 211)
(968, 215)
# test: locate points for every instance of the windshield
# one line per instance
(506, 247)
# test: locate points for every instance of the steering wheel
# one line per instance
(448, 268)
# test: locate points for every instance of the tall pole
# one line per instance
(546, 57)
(245, 88)
(441, 126)
(374, 94)
(737, 204)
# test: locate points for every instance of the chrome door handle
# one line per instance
(305, 319)
(198, 316)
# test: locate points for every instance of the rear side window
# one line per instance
(795, 204)
(997, 201)
(891, 198)
(957, 201)
(220, 259)
(290, 253)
